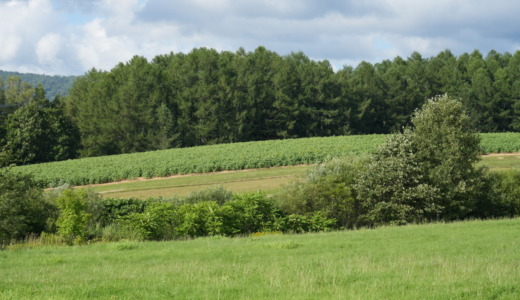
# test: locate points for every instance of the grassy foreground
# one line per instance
(466, 260)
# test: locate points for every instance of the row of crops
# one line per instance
(225, 157)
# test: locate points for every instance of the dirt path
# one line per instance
(501, 154)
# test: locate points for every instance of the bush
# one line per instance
(217, 194)
(73, 217)
(249, 213)
(108, 211)
(23, 209)
(120, 232)
(427, 172)
(392, 189)
(199, 219)
(156, 222)
(328, 188)
(504, 190)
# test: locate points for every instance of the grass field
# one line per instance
(466, 260)
(269, 180)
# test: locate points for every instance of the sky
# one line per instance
(70, 37)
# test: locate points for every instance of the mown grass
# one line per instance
(265, 180)
(466, 260)
(269, 180)
(501, 162)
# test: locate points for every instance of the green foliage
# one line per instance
(156, 222)
(38, 132)
(108, 211)
(392, 188)
(217, 194)
(328, 188)
(249, 213)
(427, 172)
(161, 220)
(73, 216)
(447, 149)
(315, 222)
(23, 209)
(199, 219)
(505, 186)
(207, 97)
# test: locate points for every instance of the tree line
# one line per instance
(209, 97)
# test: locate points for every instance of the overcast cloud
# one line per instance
(70, 37)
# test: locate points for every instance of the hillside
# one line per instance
(221, 157)
(53, 85)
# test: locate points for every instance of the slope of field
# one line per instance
(466, 260)
(215, 158)
(270, 180)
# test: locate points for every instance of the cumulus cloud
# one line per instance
(70, 37)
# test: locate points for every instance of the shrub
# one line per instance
(217, 194)
(120, 231)
(73, 218)
(199, 219)
(328, 188)
(23, 209)
(392, 189)
(504, 190)
(248, 213)
(425, 172)
(108, 211)
(156, 222)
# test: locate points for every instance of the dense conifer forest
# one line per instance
(209, 97)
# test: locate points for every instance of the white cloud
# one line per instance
(48, 48)
(70, 37)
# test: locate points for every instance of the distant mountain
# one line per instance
(53, 85)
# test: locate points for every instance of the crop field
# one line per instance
(215, 158)
(464, 260)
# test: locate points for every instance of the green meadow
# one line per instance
(463, 260)
(269, 180)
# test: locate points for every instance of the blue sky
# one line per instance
(72, 36)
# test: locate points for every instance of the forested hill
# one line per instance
(53, 85)
(209, 97)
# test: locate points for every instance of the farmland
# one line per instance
(221, 157)
(269, 180)
(463, 260)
